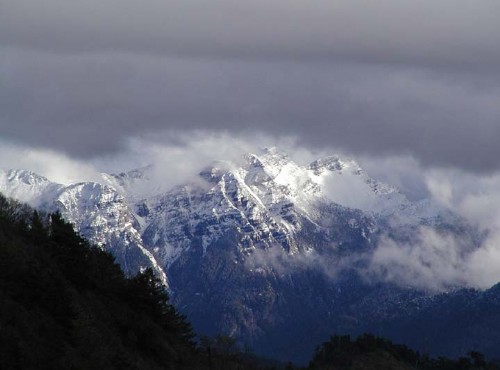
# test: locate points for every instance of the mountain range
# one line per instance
(276, 254)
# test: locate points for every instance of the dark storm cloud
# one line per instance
(88, 105)
(445, 31)
(387, 77)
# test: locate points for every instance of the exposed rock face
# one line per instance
(267, 250)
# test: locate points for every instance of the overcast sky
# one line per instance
(409, 88)
(388, 77)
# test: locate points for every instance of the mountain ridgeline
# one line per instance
(277, 255)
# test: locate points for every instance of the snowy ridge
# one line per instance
(267, 200)
(28, 187)
(136, 184)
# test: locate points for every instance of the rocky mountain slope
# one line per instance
(265, 249)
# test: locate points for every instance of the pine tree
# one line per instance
(151, 296)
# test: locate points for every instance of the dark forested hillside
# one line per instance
(66, 305)
(368, 352)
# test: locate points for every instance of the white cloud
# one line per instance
(276, 260)
(441, 189)
(55, 166)
(178, 157)
(439, 260)
(432, 260)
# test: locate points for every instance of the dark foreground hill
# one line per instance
(368, 352)
(67, 305)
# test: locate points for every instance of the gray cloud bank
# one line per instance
(376, 78)
(444, 32)
(90, 105)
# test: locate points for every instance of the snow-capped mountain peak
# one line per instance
(27, 186)
(273, 177)
(266, 200)
(251, 244)
(26, 177)
(136, 184)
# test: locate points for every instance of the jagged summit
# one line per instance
(28, 186)
(136, 184)
(334, 163)
(25, 176)
(267, 200)
(264, 199)
(272, 176)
